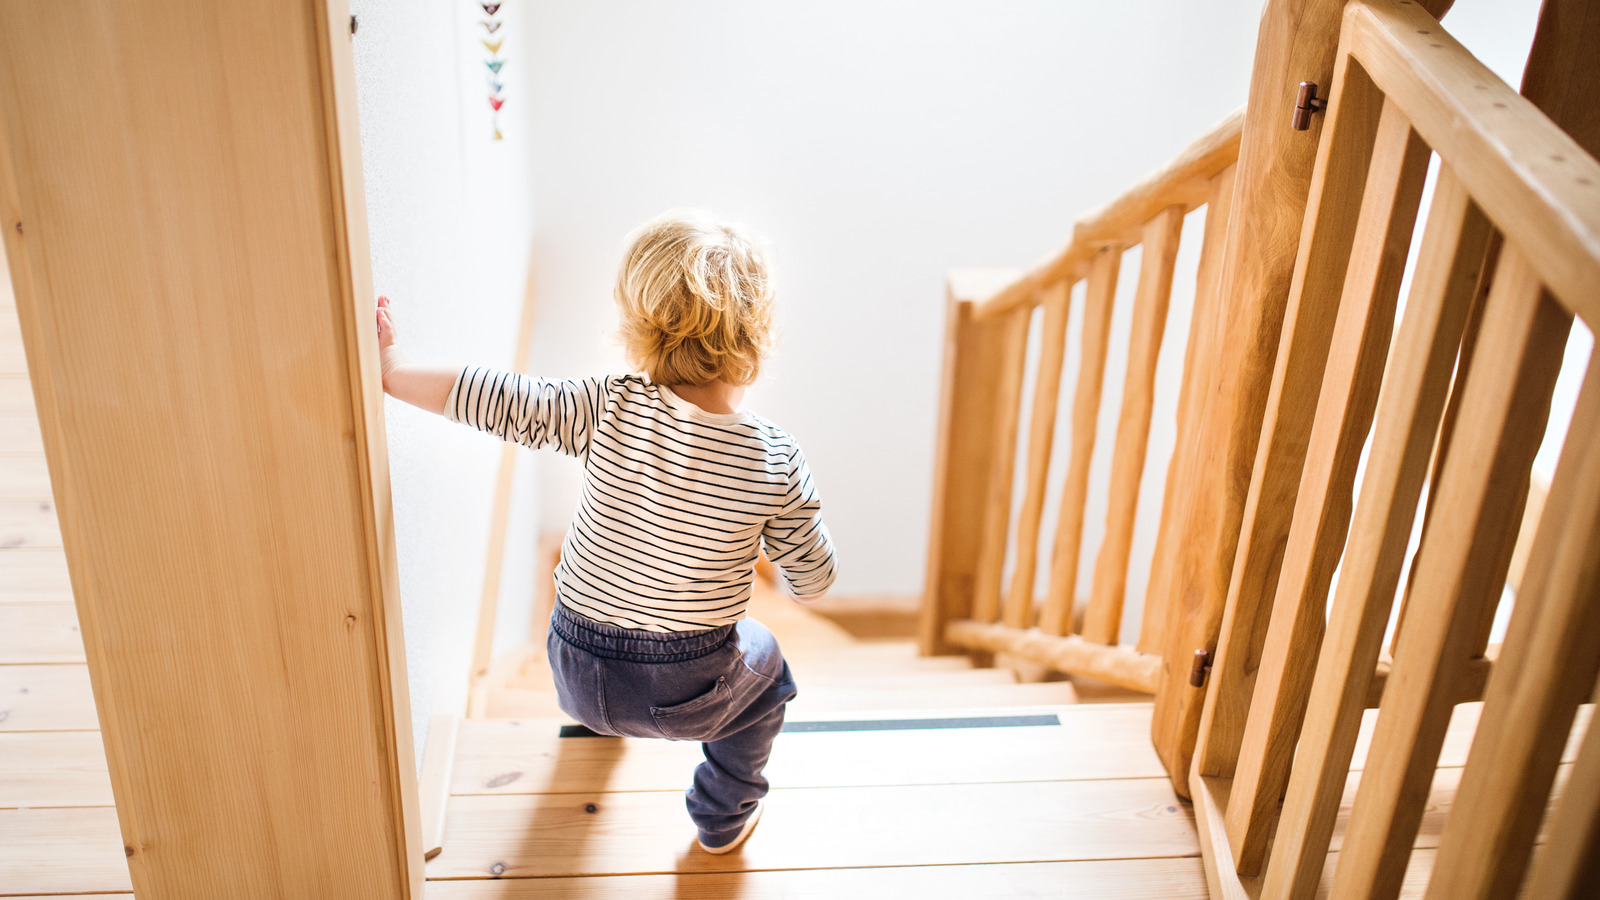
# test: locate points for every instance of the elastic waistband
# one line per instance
(615, 642)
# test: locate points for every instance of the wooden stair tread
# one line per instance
(37, 575)
(28, 524)
(46, 698)
(523, 835)
(40, 633)
(62, 851)
(508, 757)
(53, 769)
(1113, 879)
(24, 475)
(816, 701)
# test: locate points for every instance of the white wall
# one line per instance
(878, 144)
(450, 218)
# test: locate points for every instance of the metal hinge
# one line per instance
(1306, 103)
(1197, 671)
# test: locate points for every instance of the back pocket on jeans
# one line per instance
(696, 719)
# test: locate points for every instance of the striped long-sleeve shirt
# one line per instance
(675, 501)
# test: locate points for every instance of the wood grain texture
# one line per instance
(1568, 866)
(1351, 375)
(29, 525)
(1092, 742)
(1018, 611)
(554, 834)
(1102, 620)
(1533, 180)
(1099, 295)
(1011, 340)
(53, 769)
(62, 851)
(1198, 358)
(433, 787)
(46, 698)
(1331, 221)
(24, 476)
(1407, 420)
(39, 633)
(1504, 409)
(1296, 42)
(1176, 879)
(189, 207)
(971, 369)
(1547, 667)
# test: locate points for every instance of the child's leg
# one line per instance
(730, 781)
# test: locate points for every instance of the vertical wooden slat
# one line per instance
(1407, 419)
(1504, 410)
(1011, 334)
(1296, 42)
(1330, 228)
(1018, 611)
(1102, 621)
(1197, 361)
(1351, 376)
(1568, 866)
(1547, 667)
(1099, 295)
(974, 357)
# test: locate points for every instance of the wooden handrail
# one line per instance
(1184, 181)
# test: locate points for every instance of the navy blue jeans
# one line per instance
(725, 687)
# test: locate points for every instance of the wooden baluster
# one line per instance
(1102, 621)
(974, 355)
(1011, 329)
(1407, 420)
(1099, 296)
(1350, 376)
(1568, 867)
(1329, 229)
(1197, 362)
(1057, 301)
(1504, 408)
(1546, 668)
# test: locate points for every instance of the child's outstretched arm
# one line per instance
(425, 387)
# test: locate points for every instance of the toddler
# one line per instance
(681, 490)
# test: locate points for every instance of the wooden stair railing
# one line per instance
(970, 604)
(1509, 256)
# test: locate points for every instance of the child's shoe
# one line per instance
(733, 843)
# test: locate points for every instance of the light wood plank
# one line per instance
(1198, 359)
(641, 832)
(1172, 879)
(999, 480)
(62, 851)
(1407, 419)
(1533, 180)
(1503, 413)
(19, 432)
(1099, 296)
(34, 575)
(1327, 235)
(1569, 865)
(39, 633)
(192, 214)
(30, 524)
(46, 698)
(433, 789)
(1547, 668)
(24, 476)
(1092, 742)
(1041, 439)
(1102, 620)
(53, 769)
(1352, 374)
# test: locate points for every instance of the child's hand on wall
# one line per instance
(389, 354)
(422, 386)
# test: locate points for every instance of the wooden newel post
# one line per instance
(978, 410)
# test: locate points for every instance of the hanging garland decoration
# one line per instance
(492, 43)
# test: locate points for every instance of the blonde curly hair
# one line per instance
(695, 296)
